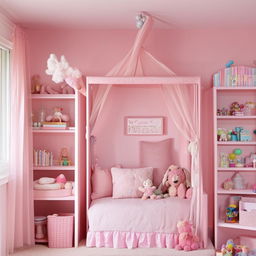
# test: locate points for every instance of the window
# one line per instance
(4, 113)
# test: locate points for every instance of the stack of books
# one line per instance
(235, 76)
(42, 158)
(54, 125)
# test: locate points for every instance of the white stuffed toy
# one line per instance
(61, 71)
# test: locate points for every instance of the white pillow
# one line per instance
(127, 181)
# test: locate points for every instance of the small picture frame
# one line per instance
(144, 125)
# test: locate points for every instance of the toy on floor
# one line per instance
(231, 249)
(228, 248)
(177, 180)
(187, 240)
(57, 116)
(147, 189)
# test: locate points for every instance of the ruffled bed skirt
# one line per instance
(119, 239)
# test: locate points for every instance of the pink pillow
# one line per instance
(101, 183)
(158, 155)
(126, 181)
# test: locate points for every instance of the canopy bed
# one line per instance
(181, 96)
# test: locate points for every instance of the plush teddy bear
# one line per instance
(177, 182)
(187, 240)
(147, 189)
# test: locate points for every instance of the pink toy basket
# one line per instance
(60, 230)
(247, 211)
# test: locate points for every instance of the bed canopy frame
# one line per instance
(182, 98)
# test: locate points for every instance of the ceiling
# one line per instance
(120, 14)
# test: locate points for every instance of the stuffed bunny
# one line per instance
(177, 181)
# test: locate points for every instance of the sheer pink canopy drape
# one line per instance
(183, 104)
(182, 101)
(138, 62)
(20, 202)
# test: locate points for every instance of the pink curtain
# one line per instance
(183, 104)
(20, 201)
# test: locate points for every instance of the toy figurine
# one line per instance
(222, 134)
(232, 160)
(245, 135)
(232, 214)
(36, 85)
(229, 63)
(238, 181)
(57, 116)
(228, 184)
(224, 160)
(236, 109)
(64, 157)
(228, 248)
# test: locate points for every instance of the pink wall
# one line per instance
(187, 52)
(113, 146)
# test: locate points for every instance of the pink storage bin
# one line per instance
(247, 211)
(60, 230)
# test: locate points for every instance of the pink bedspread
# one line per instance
(136, 215)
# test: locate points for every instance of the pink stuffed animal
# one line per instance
(187, 240)
(177, 181)
(147, 189)
(57, 116)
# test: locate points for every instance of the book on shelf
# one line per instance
(54, 124)
(42, 158)
(235, 76)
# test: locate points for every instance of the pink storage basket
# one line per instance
(60, 230)
(247, 211)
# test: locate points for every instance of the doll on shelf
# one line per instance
(64, 157)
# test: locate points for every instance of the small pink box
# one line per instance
(60, 230)
(247, 211)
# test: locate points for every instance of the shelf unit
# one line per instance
(53, 140)
(223, 97)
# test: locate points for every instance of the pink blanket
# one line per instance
(136, 215)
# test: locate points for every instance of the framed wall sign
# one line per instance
(144, 125)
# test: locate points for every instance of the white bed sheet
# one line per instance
(136, 215)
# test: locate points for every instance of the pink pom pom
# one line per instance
(61, 179)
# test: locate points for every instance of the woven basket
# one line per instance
(60, 230)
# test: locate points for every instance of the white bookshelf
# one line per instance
(74, 138)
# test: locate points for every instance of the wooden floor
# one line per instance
(41, 250)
